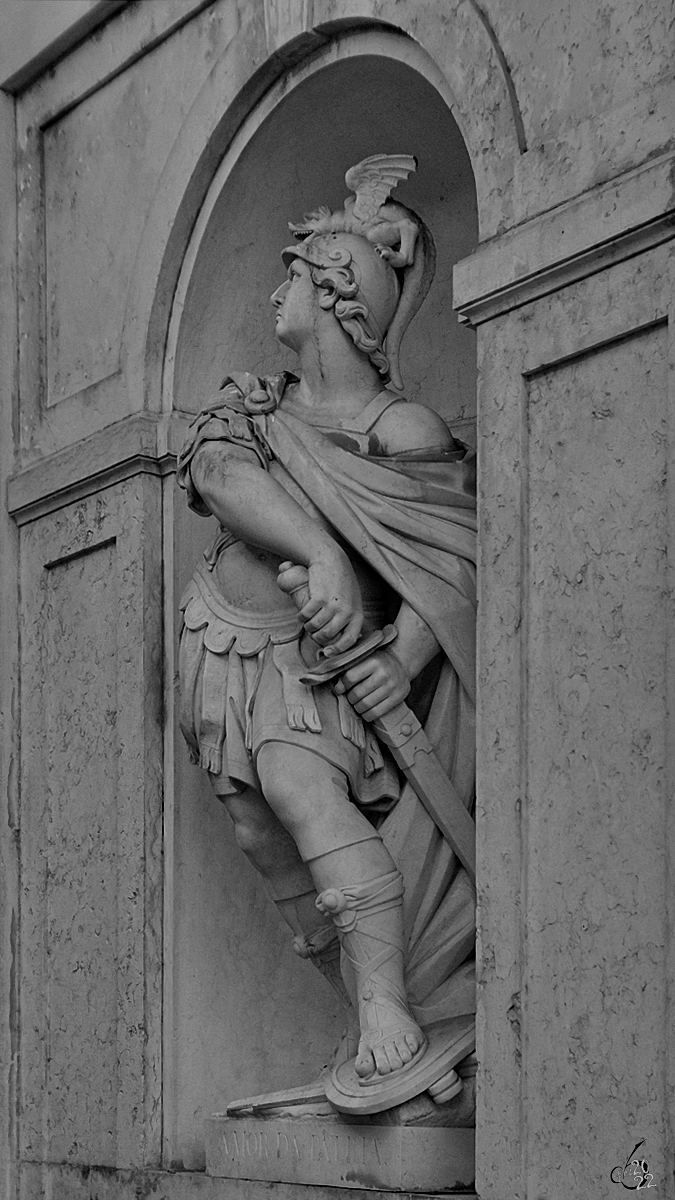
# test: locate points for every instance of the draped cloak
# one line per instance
(411, 517)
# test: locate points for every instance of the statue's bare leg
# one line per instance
(274, 854)
(359, 887)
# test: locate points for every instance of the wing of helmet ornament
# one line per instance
(373, 180)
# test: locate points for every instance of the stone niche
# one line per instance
(246, 1015)
(296, 161)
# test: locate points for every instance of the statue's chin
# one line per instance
(282, 337)
(286, 339)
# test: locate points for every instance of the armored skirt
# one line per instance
(240, 687)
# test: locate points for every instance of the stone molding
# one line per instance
(185, 1185)
(135, 33)
(75, 33)
(145, 444)
(596, 230)
(256, 56)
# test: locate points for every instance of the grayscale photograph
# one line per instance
(337, 834)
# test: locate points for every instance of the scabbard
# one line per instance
(402, 733)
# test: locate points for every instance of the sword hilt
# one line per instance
(401, 731)
(293, 580)
(337, 664)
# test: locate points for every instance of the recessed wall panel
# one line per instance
(595, 730)
(91, 898)
(82, 848)
(102, 160)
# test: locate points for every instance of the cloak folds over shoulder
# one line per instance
(412, 518)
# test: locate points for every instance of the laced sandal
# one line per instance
(368, 920)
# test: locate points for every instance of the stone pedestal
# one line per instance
(334, 1153)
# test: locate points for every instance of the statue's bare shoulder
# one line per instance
(212, 467)
(409, 425)
(213, 457)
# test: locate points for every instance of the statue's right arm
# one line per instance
(252, 505)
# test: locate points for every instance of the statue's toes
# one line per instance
(388, 1052)
(387, 1057)
(413, 1042)
(364, 1064)
(403, 1049)
(397, 1051)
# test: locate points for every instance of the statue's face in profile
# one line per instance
(295, 302)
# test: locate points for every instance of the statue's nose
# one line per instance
(277, 297)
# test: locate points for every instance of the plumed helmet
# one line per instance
(365, 287)
(377, 257)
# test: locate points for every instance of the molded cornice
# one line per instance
(30, 70)
(143, 444)
(594, 231)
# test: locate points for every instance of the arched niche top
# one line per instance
(291, 156)
(449, 45)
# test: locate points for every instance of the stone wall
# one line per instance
(152, 164)
(575, 740)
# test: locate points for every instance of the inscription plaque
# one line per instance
(337, 1154)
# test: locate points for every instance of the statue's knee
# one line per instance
(298, 784)
(280, 794)
(277, 774)
(251, 838)
(289, 799)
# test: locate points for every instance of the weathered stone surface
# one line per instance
(96, 200)
(575, 732)
(91, 818)
(598, 697)
(141, 444)
(591, 90)
(28, 35)
(332, 1153)
(84, 203)
(557, 248)
(85, 1183)
(9, 682)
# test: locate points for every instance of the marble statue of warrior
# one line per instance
(342, 506)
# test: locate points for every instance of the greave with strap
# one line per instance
(369, 921)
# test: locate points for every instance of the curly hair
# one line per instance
(354, 316)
